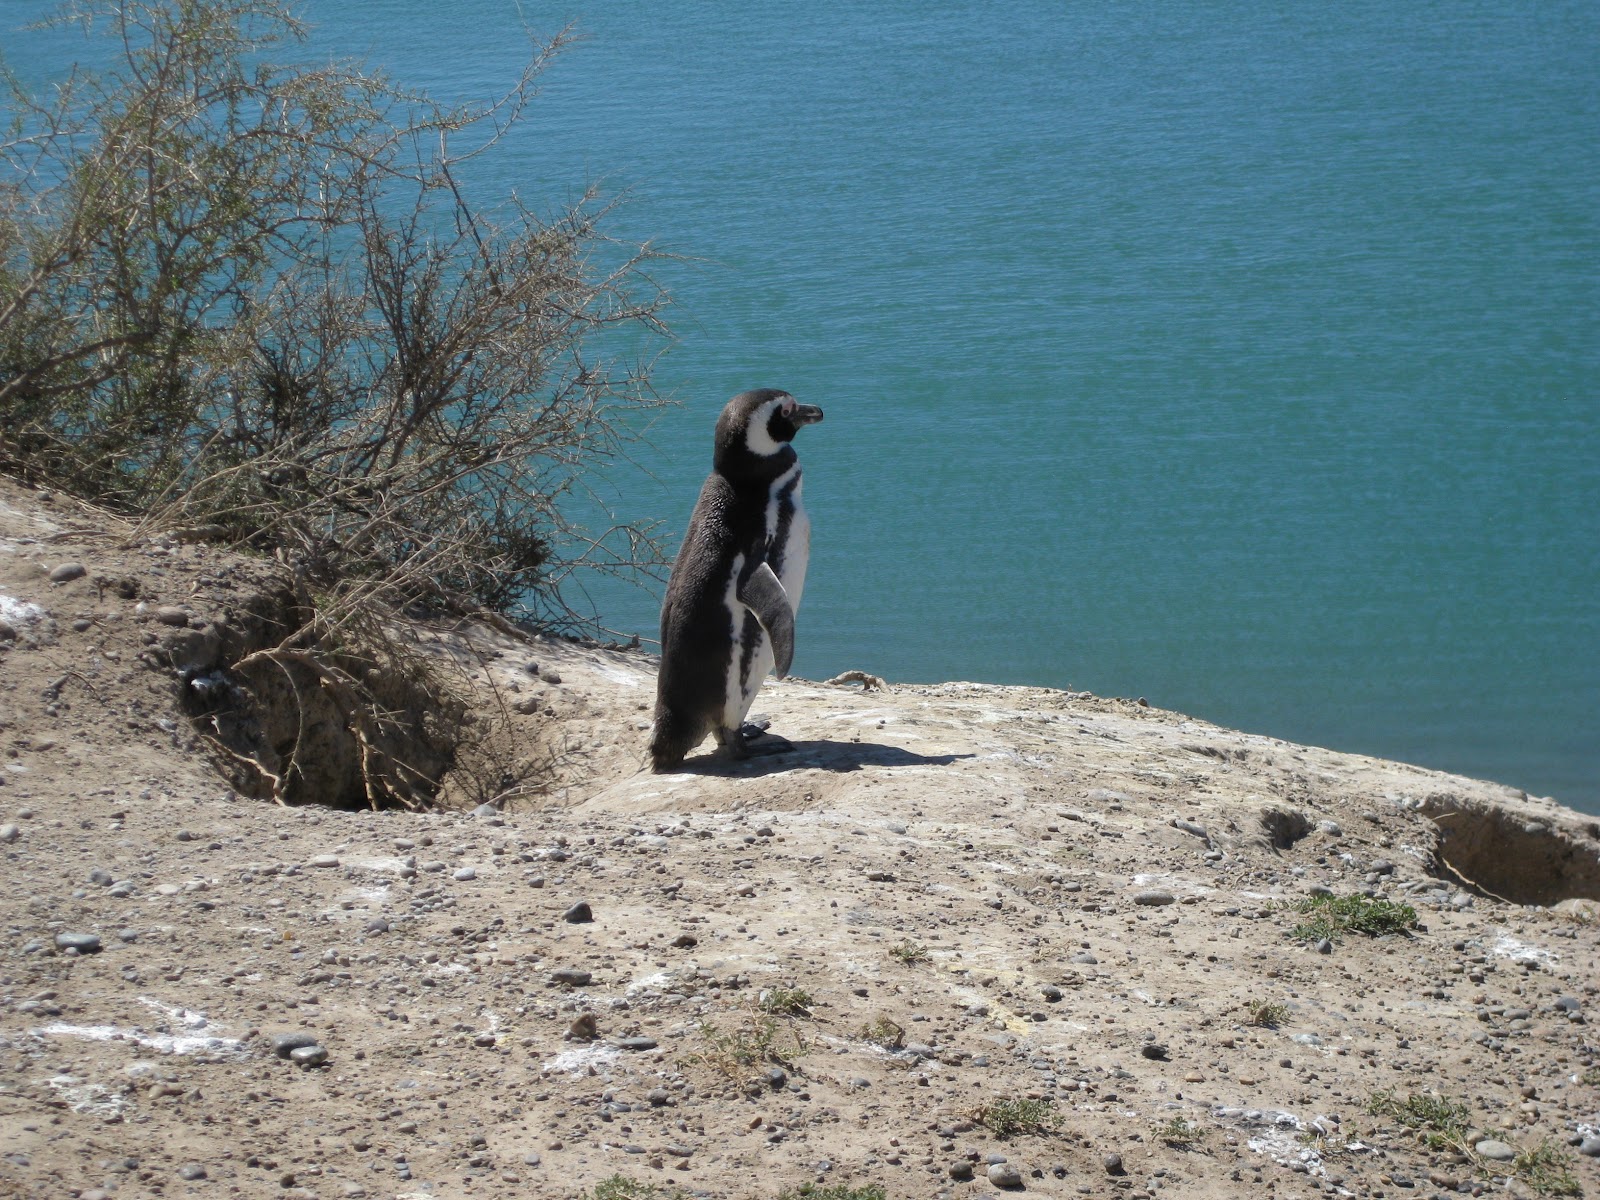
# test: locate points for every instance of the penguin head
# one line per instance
(755, 429)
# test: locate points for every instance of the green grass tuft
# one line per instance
(1332, 917)
(1440, 1122)
(910, 953)
(1265, 1014)
(1007, 1118)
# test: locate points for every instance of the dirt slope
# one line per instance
(829, 967)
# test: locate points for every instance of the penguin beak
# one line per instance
(805, 414)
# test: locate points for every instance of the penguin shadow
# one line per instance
(819, 754)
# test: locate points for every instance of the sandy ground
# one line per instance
(949, 907)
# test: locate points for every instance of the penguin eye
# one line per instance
(786, 407)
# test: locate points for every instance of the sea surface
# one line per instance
(1241, 357)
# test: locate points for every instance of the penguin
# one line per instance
(728, 617)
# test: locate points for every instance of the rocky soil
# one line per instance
(963, 941)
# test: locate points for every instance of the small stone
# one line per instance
(486, 810)
(378, 925)
(1004, 1174)
(1324, 946)
(285, 1044)
(571, 976)
(1495, 1150)
(463, 874)
(1112, 1162)
(685, 940)
(578, 913)
(83, 943)
(1331, 828)
(776, 1078)
(101, 877)
(961, 1169)
(584, 1029)
(191, 1171)
(1590, 1146)
(324, 860)
(1051, 992)
(1153, 1050)
(171, 614)
(308, 1056)
(128, 935)
(550, 677)
(1154, 897)
(636, 1043)
(67, 572)
(9, 833)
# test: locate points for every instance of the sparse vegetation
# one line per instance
(757, 1040)
(1331, 917)
(837, 1191)
(620, 1187)
(881, 1031)
(1179, 1133)
(1006, 1118)
(1440, 1123)
(786, 1002)
(910, 953)
(1547, 1171)
(1265, 1014)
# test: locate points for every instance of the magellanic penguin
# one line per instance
(728, 618)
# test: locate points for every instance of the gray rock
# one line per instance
(1112, 1161)
(323, 860)
(308, 1056)
(961, 1169)
(67, 572)
(285, 1044)
(9, 833)
(578, 913)
(1590, 1146)
(1324, 946)
(571, 976)
(486, 810)
(1495, 1150)
(1153, 1050)
(172, 614)
(635, 1043)
(191, 1171)
(128, 935)
(101, 877)
(378, 925)
(1083, 956)
(463, 874)
(1154, 897)
(83, 943)
(1004, 1174)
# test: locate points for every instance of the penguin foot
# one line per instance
(755, 740)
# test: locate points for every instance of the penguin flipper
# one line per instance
(763, 595)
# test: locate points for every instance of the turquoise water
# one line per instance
(1245, 360)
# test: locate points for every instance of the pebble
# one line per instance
(961, 1169)
(9, 833)
(284, 1044)
(463, 874)
(83, 943)
(1590, 1146)
(171, 614)
(324, 860)
(1153, 1050)
(1112, 1163)
(308, 1056)
(578, 913)
(1154, 896)
(486, 810)
(101, 877)
(1004, 1174)
(191, 1171)
(1495, 1150)
(571, 976)
(67, 572)
(378, 925)
(635, 1043)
